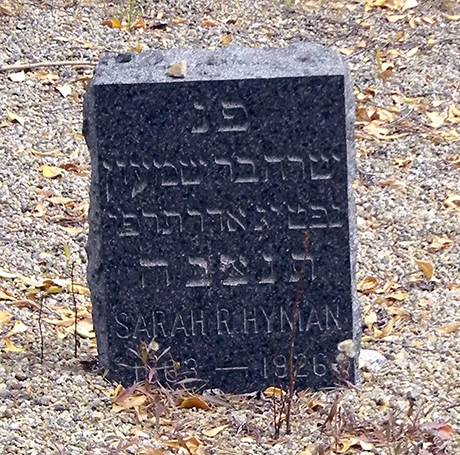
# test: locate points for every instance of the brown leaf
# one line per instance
(112, 23)
(214, 431)
(194, 402)
(398, 296)
(178, 69)
(190, 444)
(453, 201)
(367, 283)
(207, 23)
(426, 267)
(47, 78)
(387, 70)
(131, 402)
(226, 39)
(392, 183)
(449, 328)
(440, 429)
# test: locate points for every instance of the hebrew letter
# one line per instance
(169, 174)
(308, 263)
(216, 225)
(267, 275)
(236, 268)
(322, 165)
(274, 171)
(234, 117)
(194, 223)
(296, 168)
(140, 183)
(297, 218)
(335, 217)
(201, 125)
(170, 216)
(150, 216)
(260, 222)
(234, 222)
(246, 171)
(318, 217)
(201, 277)
(225, 162)
(190, 172)
(160, 265)
(130, 225)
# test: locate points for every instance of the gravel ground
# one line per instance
(408, 206)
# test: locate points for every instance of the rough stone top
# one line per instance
(228, 63)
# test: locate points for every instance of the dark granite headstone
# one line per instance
(202, 191)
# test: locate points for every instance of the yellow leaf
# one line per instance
(402, 162)
(39, 210)
(386, 331)
(190, 444)
(397, 311)
(18, 77)
(347, 443)
(14, 118)
(10, 347)
(310, 450)
(51, 172)
(346, 51)
(449, 328)
(225, 40)
(274, 392)
(426, 267)
(194, 402)
(79, 289)
(178, 69)
(395, 18)
(47, 78)
(214, 431)
(112, 23)
(5, 317)
(398, 296)
(64, 90)
(392, 183)
(19, 327)
(5, 296)
(370, 320)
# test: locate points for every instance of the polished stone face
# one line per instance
(203, 192)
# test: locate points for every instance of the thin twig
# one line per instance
(40, 311)
(72, 291)
(291, 345)
(29, 66)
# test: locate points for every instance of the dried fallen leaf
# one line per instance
(18, 77)
(392, 183)
(274, 392)
(225, 40)
(194, 402)
(19, 327)
(130, 402)
(207, 23)
(64, 90)
(151, 451)
(400, 296)
(412, 52)
(346, 51)
(47, 78)
(453, 201)
(5, 296)
(387, 70)
(409, 4)
(386, 331)
(112, 23)
(14, 118)
(51, 172)
(440, 429)
(426, 267)
(367, 283)
(449, 328)
(71, 230)
(5, 317)
(402, 162)
(370, 319)
(5, 274)
(178, 69)
(439, 243)
(190, 444)
(10, 347)
(214, 431)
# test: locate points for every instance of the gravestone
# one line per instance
(203, 190)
